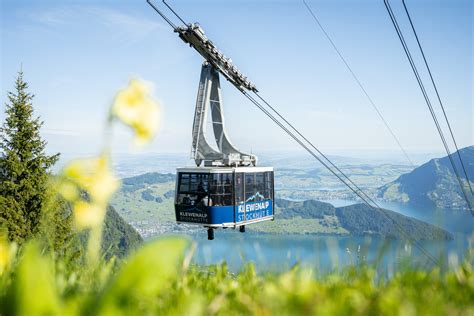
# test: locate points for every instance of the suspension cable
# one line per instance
(359, 83)
(317, 150)
(161, 14)
(342, 176)
(174, 12)
(439, 98)
(428, 102)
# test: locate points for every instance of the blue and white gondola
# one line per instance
(223, 197)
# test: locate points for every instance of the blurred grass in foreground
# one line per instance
(158, 279)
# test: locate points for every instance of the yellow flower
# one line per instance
(7, 252)
(94, 176)
(135, 107)
(88, 215)
(67, 189)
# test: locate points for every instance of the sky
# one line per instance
(77, 54)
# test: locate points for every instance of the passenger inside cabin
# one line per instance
(200, 188)
(202, 195)
(206, 201)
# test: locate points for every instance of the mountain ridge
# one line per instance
(357, 220)
(433, 184)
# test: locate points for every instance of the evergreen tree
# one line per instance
(24, 166)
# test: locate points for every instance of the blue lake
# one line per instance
(272, 252)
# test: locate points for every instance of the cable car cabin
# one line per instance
(224, 196)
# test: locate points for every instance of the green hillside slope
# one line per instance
(119, 237)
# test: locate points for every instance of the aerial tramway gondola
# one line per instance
(223, 197)
(226, 189)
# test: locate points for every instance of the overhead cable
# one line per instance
(327, 163)
(439, 98)
(428, 102)
(359, 83)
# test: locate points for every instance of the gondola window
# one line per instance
(221, 189)
(193, 188)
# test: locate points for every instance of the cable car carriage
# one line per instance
(228, 190)
(224, 196)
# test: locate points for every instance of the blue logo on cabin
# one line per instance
(254, 211)
(254, 197)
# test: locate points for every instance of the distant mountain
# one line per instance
(313, 217)
(433, 184)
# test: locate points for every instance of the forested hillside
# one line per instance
(119, 236)
(314, 217)
(361, 219)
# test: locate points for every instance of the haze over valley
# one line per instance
(146, 201)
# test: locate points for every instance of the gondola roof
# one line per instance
(223, 169)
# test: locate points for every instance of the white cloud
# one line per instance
(53, 17)
(127, 28)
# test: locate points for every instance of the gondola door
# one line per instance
(254, 197)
